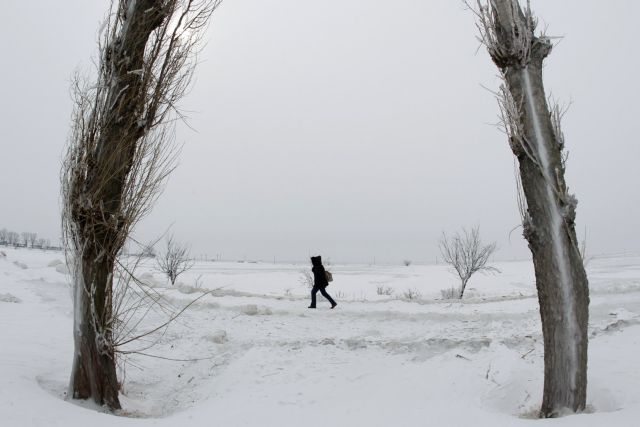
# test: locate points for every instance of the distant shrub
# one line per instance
(306, 278)
(450, 293)
(340, 295)
(411, 294)
(218, 337)
(384, 290)
(407, 262)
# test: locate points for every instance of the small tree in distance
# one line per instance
(32, 237)
(467, 254)
(148, 251)
(13, 238)
(175, 260)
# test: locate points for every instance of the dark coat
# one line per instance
(319, 276)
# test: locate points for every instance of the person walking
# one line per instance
(319, 282)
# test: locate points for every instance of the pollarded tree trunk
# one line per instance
(561, 281)
(548, 218)
(98, 222)
(119, 155)
(94, 371)
(560, 277)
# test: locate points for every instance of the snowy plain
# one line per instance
(264, 359)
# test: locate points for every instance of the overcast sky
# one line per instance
(351, 128)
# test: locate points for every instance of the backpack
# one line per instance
(328, 275)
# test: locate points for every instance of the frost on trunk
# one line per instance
(119, 153)
(548, 210)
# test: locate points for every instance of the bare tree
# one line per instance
(4, 236)
(32, 237)
(25, 238)
(148, 251)
(13, 238)
(466, 254)
(175, 260)
(548, 210)
(120, 152)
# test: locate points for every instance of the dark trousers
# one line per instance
(324, 293)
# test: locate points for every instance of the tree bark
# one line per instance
(463, 286)
(563, 295)
(94, 370)
(548, 223)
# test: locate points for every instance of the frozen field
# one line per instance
(376, 360)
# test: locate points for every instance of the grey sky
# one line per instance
(351, 128)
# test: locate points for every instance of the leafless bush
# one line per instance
(198, 283)
(148, 251)
(407, 262)
(384, 290)
(175, 260)
(411, 294)
(306, 278)
(450, 293)
(466, 254)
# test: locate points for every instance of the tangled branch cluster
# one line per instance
(508, 39)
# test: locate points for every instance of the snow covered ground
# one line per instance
(267, 360)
